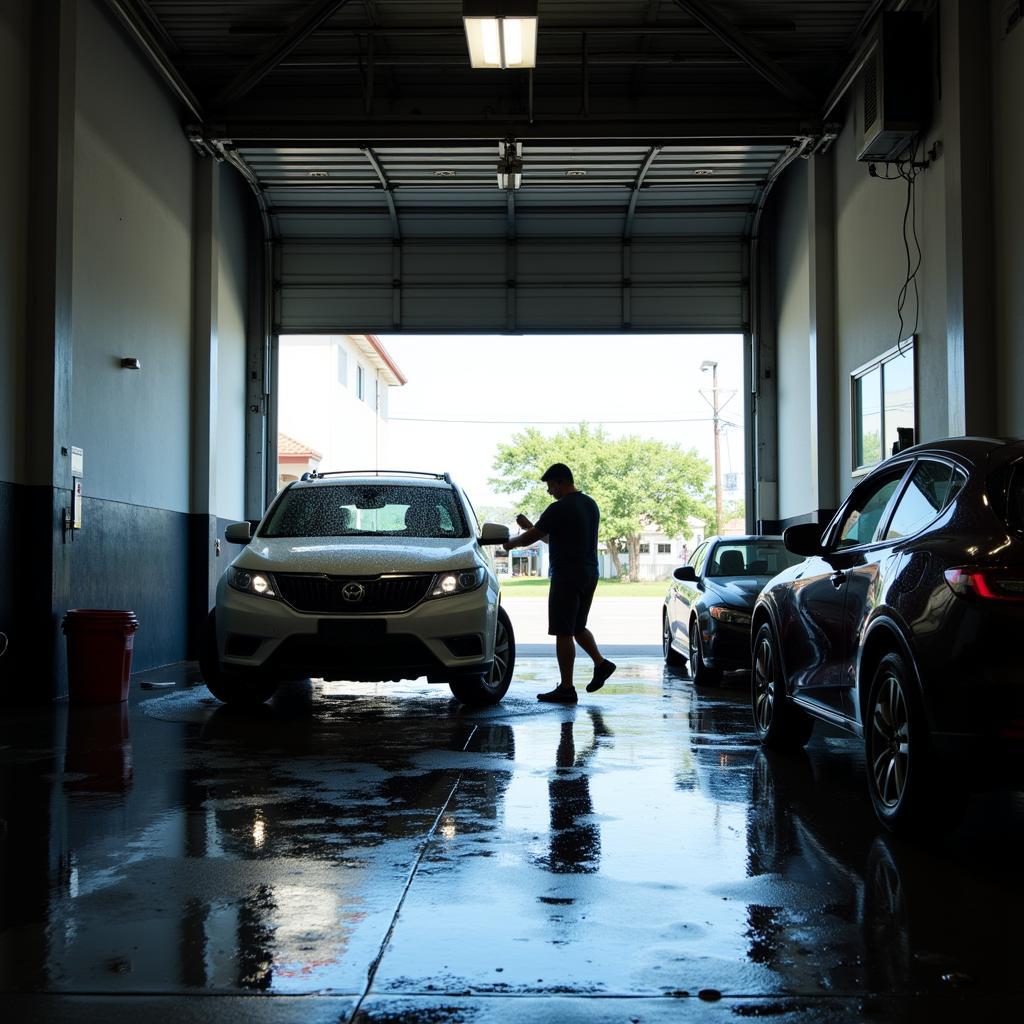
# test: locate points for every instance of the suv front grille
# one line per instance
(336, 595)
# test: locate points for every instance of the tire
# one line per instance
(699, 671)
(480, 692)
(240, 689)
(780, 724)
(909, 790)
(672, 657)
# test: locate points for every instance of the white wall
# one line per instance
(232, 295)
(14, 111)
(316, 409)
(132, 293)
(1008, 103)
(792, 364)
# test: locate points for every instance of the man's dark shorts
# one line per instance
(569, 603)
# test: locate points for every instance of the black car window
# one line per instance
(864, 514)
(931, 488)
(366, 510)
(750, 558)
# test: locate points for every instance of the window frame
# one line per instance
(906, 347)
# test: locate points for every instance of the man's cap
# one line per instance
(558, 472)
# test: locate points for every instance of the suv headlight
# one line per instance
(457, 581)
(259, 583)
(730, 615)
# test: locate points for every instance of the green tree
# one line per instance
(637, 482)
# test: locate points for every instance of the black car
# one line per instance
(706, 618)
(904, 626)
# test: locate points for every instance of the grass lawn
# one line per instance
(531, 586)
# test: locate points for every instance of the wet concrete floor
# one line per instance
(372, 853)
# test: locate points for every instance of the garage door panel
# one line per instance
(686, 308)
(333, 308)
(430, 308)
(324, 264)
(568, 308)
(451, 266)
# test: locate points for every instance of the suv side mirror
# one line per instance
(493, 533)
(803, 539)
(685, 574)
(238, 533)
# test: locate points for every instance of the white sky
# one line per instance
(480, 390)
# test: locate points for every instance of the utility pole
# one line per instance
(710, 364)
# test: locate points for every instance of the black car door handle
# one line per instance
(837, 579)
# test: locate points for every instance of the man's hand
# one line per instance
(522, 522)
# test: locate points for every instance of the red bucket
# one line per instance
(100, 646)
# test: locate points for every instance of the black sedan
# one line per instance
(904, 626)
(706, 618)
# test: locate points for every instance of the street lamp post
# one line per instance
(710, 364)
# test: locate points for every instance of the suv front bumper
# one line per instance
(439, 638)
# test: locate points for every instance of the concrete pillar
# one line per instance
(204, 566)
(45, 548)
(821, 219)
(967, 154)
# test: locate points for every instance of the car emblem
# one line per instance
(353, 592)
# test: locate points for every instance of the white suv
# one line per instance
(362, 576)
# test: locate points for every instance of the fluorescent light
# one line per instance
(501, 33)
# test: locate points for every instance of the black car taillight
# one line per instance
(989, 584)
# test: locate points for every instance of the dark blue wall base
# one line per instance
(125, 556)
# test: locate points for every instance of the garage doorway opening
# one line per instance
(637, 417)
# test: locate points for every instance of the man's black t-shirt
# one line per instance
(571, 527)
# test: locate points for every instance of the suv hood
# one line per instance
(358, 556)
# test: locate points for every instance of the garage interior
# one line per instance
(183, 183)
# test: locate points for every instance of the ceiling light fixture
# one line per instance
(702, 172)
(444, 172)
(576, 172)
(501, 33)
(318, 174)
(510, 165)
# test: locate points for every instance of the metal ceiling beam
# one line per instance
(141, 29)
(281, 47)
(652, 153)
(749, 51)
(396, 228)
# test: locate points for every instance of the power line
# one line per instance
(551, 423)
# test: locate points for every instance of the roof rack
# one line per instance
(317, 475)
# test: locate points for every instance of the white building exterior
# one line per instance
(333, 397)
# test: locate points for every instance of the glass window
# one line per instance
(698, 558)
(360, 383)
(365, 510)
(664, 549)
(883, 402)
(869, 417)
(863, 516)
(898, 392)
(342, 365)
(931, 488)
(645, 549)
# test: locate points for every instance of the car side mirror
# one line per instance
(493, 533)
(685, 574)
(238, 533)
(803, 539)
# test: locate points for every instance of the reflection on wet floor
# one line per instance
(383, 845)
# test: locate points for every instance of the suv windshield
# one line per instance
(750, 558)
(366, 510)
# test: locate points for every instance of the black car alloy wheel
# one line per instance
(699, 671)
(780, 724)
(889, 740)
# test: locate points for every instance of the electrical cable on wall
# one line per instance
(907, 170)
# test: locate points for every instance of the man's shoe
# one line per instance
(601, 674)
(559, 695)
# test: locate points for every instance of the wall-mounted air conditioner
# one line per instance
(892, 88)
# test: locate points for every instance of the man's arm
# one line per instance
(525, 539)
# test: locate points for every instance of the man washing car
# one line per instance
(569, 525)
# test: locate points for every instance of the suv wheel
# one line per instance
(481, 691)
(780, 724)
(238, 688)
